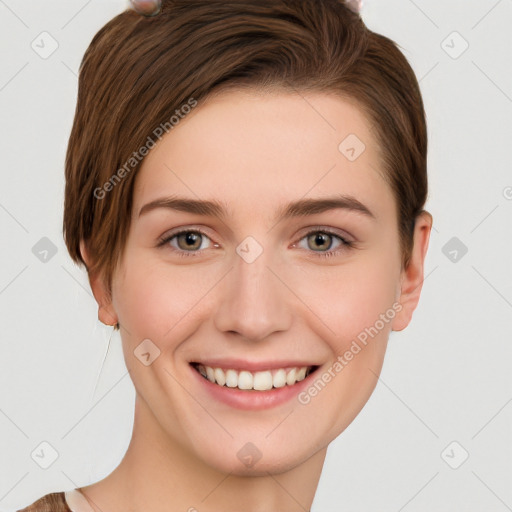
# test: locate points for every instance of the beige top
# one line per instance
(67, 501)
(77, 502)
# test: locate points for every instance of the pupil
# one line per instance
(191, 240)
(321, 239)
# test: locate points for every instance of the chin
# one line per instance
(243, 458)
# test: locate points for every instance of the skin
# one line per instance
(146, 7)
(255, 153)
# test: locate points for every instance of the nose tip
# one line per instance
(254, 302)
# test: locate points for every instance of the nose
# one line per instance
(254, 302)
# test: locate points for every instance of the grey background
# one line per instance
(446, 377)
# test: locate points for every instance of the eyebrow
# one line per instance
(294, 209)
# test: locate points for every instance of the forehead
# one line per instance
(255, 149)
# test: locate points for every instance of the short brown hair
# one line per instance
(138, 70)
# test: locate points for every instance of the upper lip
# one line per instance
(252, 366)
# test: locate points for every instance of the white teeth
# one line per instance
(260, 381)
(231, 378)
(279, 379)
(210, 374)
(245, 380)
(220, 376)
(301, 374)
(290, 377)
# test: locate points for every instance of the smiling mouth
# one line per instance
(255, 381)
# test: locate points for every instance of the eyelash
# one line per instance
(346, 244)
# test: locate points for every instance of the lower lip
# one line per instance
(251, 399)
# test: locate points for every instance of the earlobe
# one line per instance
(107, 316)
(412, 277)
(106, 312)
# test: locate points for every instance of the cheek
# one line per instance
(356, 303)
(352, 297)
(156, 300)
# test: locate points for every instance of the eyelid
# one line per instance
(185, 229)
(327, 230)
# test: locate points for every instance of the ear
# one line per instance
(412, 276)
(106, 312)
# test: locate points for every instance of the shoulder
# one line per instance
(54, 502)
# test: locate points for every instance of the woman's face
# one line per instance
(292, 262)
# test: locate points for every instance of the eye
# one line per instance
(323, 241)
(190, 242)
(186, 241)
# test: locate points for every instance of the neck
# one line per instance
(157, 474)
